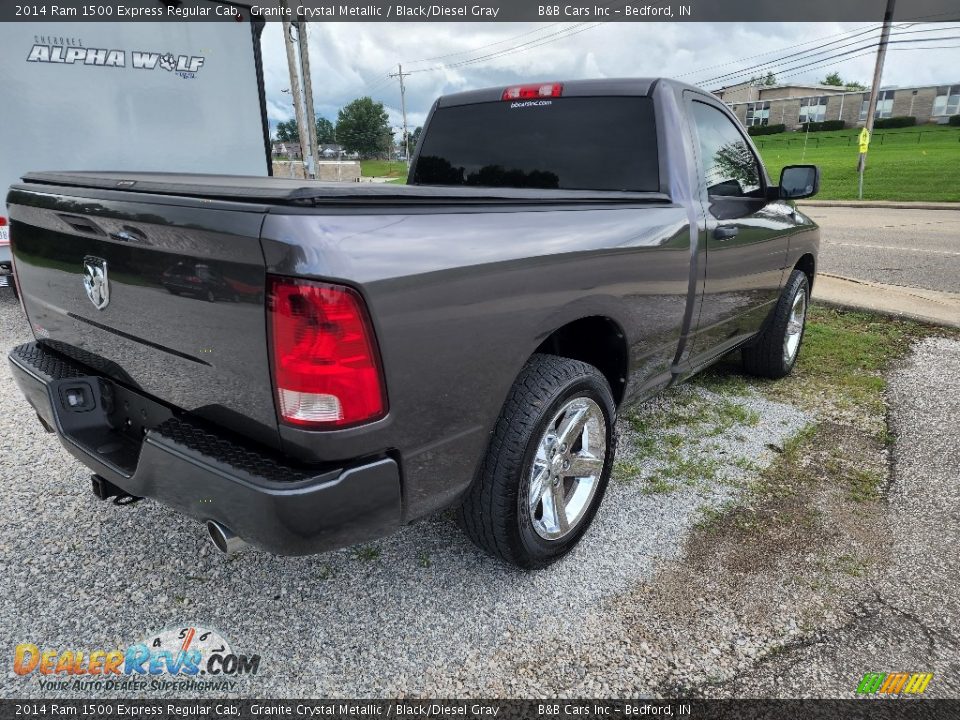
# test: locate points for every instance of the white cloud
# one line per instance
(349, 60)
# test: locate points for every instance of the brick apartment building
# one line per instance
(793, 105)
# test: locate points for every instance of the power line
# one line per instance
(788, 47)
(523, 47)
(483, 47)
(823, 63)
(773, 64)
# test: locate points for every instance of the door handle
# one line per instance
(725, 232)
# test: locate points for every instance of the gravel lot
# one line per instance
(905, 619)
(420, 613)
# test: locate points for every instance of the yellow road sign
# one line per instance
(864, 140)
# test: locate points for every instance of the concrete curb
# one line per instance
(930, 306)
(888, 204)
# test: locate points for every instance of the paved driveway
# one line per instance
(915, 248)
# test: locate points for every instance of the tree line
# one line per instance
(362, 127)
(833, 79)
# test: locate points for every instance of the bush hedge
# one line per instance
(825, 125)
(766, 129)
(954, 120)
(894, 122)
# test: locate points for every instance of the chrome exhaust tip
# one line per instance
(223, 539)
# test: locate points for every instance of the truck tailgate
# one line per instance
(165, 296)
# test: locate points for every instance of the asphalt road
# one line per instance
(915, 248)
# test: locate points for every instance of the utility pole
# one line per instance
(295, 90)
(311, 119)
(403, 108)
(875, 88)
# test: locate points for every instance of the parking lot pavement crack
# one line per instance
(934, 635)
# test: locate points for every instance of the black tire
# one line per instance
(767, 356)
(495, 513)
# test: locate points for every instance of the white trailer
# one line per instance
(163, 96)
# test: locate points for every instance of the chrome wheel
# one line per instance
(798, 315)
(567, 468)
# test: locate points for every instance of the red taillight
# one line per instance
(325, 364)
(528, 92)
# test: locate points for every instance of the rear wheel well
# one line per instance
(808, 266)
(596, 340)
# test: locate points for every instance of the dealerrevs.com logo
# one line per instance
(182, 658)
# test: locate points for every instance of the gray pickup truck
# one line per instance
(304, 366)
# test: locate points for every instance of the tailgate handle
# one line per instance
(81, 224)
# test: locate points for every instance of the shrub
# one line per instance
(825, 125)
(766, 129)
(954, 120)
(894, 122)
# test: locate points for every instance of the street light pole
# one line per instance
(875, 88)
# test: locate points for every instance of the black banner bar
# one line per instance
(404, 11)
(873, 709)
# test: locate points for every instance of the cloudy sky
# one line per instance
(349, 60)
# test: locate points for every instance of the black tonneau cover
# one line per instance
(244, 188)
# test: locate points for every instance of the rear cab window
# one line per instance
(575, 143)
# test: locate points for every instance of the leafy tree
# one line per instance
(415, 138)
(768, 79)
(362, 127)
(326, 133)
(834, 80)
(287, 131)
(735, 161)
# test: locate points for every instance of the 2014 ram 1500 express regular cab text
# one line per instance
(304, 366)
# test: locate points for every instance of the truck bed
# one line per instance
(290, 191)
(447, 274)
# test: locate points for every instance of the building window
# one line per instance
(813, 109)
(884, 105)
(758, 113)
(947, 101)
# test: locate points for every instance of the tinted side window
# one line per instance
(729, 165)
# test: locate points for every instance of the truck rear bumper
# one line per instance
(147, 450)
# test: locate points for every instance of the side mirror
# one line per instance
(799, 181)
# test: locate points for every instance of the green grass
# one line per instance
(383, 168)
(844, 354)
(366, 553)
(898, 166)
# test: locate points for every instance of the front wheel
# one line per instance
(547, 465)
(774, 353)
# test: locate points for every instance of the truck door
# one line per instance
(746, 235)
